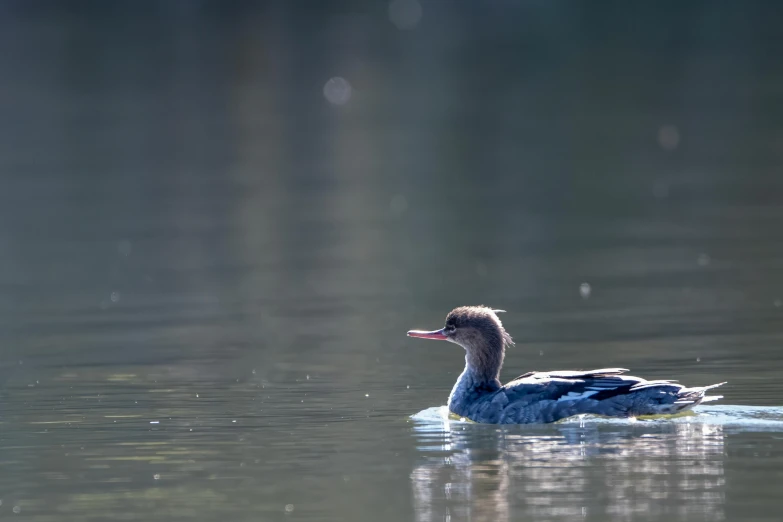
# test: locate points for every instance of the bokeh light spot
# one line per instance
(338, 91)
(405, 14)
(669, 137)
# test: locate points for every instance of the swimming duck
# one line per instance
(540, 397)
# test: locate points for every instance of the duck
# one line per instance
(543, 397)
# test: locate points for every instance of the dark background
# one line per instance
(249, 203)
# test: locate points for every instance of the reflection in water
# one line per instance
(617, 471)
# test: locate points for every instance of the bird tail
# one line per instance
(687, 398)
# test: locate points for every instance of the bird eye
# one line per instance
(450, 328)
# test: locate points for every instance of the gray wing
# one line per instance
(550, 396)
(598, 385)
(566, 374)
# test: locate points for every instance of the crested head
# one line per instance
(479, 330)
(476, 324)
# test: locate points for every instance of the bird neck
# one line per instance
(471, 387)
(483, 363)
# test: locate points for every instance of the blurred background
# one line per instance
(218, 219)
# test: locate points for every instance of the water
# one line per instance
(207, 267)
(587, 468)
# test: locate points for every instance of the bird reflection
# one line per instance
(587, 470)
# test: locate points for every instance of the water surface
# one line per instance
(207, 269)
